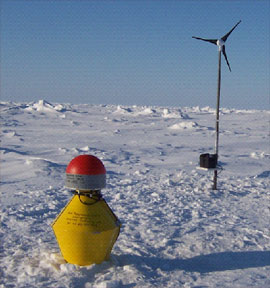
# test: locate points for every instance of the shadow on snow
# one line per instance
(204, 263)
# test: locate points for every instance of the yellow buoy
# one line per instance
(86, 230)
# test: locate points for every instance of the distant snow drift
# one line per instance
(177, 232)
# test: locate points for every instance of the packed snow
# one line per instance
(176, 231)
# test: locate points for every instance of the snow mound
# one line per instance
(41, 106)
(151, 111)
(184, 125)
(147, 111)
(259, 155)
(46, 107)
(135, 110)
(123, 110)
(169, 113)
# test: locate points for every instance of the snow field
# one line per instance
(177, 231)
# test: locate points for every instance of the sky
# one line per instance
(134, 52)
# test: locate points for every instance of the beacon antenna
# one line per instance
(210, 160)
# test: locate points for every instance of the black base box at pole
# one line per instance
(208, 160)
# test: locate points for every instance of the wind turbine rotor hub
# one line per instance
(220, 44)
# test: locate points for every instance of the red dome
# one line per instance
(86, 165)
(85, 172)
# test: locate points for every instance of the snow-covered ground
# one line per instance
(177, 231)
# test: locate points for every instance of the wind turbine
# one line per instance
(221, 48)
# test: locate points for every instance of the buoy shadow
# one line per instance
(204, 263)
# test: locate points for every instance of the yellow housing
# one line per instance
(86, 230)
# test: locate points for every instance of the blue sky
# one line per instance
(134, 52)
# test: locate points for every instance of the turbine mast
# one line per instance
(217, 118)
(214, 157)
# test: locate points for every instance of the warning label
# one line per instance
(80, 219)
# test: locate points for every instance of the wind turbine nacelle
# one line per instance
(220, 44)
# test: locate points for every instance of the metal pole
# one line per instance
(217, 116)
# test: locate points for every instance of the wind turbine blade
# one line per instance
(224, 53)
(213, 41)
(224, 38)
